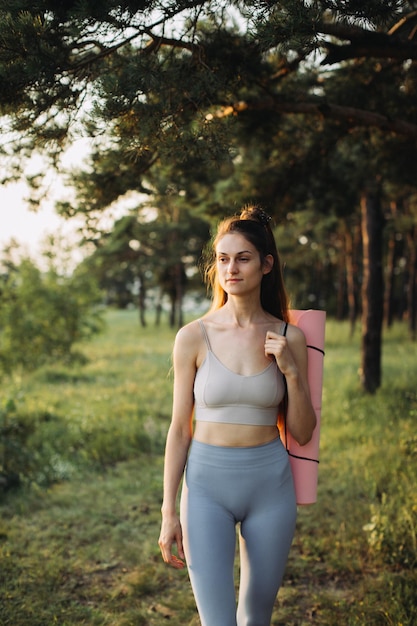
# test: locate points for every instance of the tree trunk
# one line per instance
(172, 311)
(341, 282)
(351, 271)
(401, 304)
(412, 284)
(158, 313)
(159, 307)
(372, 290)
(389, 282)
(394, 246)
(179, 293)
(142, 301)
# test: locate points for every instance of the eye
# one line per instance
(244, 259)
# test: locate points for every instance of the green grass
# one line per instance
(78, 539)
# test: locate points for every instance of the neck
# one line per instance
(243, 312)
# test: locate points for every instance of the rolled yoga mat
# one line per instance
(305, 459)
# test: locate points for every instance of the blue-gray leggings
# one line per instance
(225, 486)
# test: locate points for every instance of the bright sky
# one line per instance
(29, 228)
(18, 222)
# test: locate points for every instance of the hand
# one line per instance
(171, 533)
(277, 346)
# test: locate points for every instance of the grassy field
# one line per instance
(78, 539)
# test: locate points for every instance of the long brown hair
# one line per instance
(253, 224)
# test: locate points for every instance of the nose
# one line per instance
(232, 268)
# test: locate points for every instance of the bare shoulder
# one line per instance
(296, 337)
(188, 335)
(188, 341)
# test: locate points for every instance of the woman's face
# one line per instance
(239, 266)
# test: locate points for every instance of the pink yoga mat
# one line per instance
(304, 459)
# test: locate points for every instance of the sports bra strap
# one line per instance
(203, 328)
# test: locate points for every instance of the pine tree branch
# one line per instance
(158, 41)
(350, 115)
(88, 59)
(399, 50)
(153, 45)
(366, 43)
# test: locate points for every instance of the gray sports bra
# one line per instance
(223, 396)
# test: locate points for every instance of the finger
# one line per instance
(180, 548)
(166, 550)
(166, 554)
(169, 557)
(176, 562)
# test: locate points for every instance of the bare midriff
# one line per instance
(234, 435)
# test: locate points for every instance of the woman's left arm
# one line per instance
(290, 353)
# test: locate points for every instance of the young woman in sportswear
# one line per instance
(231, 371)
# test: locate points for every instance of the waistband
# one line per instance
(244, 456)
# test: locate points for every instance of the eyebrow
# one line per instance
(241, 252)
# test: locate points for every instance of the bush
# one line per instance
(43, 315)
(392, 528)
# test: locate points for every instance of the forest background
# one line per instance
(190, 110)
(195, 108)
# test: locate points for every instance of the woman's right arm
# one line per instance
(178, 443)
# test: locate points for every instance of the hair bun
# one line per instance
(256, 214)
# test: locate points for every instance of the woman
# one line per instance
(231, 371)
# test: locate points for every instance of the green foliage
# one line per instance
(152, 74)
(43, 315)
(205, 106)
(14, 454)
(391, 529)
(67, 418)
(43, 318)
